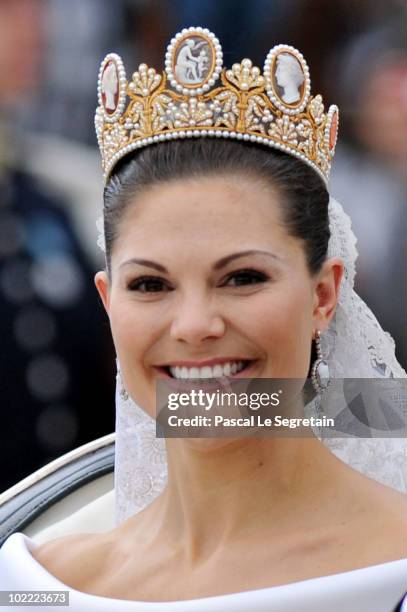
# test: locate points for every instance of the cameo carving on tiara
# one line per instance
(193, 61)
(331, 129)
(288, 83)
(112, 87)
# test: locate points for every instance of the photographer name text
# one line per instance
(253, 420)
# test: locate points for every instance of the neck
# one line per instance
(250, 486)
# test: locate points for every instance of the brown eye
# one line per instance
(148, 284)
(247, 277)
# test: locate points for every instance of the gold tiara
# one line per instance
(275, 108)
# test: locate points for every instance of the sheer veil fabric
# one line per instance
(355, 346)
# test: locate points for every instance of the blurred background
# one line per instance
(57, 364)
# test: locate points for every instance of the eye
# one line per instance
(148, 284)
(247, 277)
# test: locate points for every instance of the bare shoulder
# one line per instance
(393, 504)
(76, 560)
(399, 515)
(388, 524)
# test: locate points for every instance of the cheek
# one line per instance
(130, 331)
(132, 338)
(281, 323)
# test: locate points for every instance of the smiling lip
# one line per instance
(201, 364)
(206, 381)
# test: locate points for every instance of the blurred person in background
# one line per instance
(371, 165)
(54, 345)
(76, 34)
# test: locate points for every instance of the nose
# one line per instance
(196, 321)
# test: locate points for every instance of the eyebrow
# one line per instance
(221, 263)
(225, 260)
(145, 262)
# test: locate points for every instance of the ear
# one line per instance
(326, 292)
(103, 287)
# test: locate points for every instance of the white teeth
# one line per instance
(206, 372)
(233, 368)
(226, 369)
(218, 370)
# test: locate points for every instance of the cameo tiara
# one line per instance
(196, 97)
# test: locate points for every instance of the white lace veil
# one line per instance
(355, 346)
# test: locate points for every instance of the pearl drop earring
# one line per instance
(320, 368)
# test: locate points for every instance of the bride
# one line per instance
(230, 259)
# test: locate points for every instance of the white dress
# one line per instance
(377, 588)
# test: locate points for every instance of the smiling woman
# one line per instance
(229, 260)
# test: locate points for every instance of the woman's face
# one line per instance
(203, 269)
(282, 77)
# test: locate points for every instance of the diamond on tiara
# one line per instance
(274, 109)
